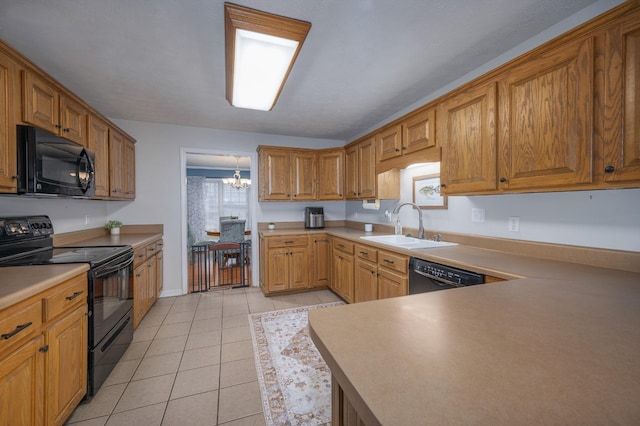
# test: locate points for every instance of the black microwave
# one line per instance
(51, 165)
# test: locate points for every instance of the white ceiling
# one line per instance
(363, 60)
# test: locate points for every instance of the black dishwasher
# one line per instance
(425, 276)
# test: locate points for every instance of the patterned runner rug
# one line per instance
(295, 382)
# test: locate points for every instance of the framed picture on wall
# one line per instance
(426, 192)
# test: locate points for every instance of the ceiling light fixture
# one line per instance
(260, 51)
(236, 181)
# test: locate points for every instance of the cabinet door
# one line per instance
(469, 141)
(622, 105)
(8, 182)
(40, 103)
(73, 119)
(419, 132)
(331, 175)
(389, 143)
(98, 142)
(21, 390)
(140, 289)
(116, 149)
(343, 269)
(277, 276)
(547, 119)
(391, 284)
(352, 180)
(321, 262)
(303, 175)
(367, 168)
(151, 282)
(298, 267)
(66, 380)
(275, 177)
(365, 281)
(129, 169)
(159, 273)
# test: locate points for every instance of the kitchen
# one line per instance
(574, 218)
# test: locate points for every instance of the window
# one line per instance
(223, 200)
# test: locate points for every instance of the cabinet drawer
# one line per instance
(288, 241)
(343, 245)
(151, 250)
(139, 255)
(68, 295)
(367, 252)
(159, 245)
(393, 261)
(20, 325)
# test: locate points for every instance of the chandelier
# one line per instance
(236, 181)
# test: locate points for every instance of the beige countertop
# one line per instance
(557, 344)
(18, 283)
(134, 239)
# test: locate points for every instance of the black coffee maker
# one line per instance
(314, 217)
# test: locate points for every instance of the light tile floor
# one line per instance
(191, 363)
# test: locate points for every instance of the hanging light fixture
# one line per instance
(236, 181)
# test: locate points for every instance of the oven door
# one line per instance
(110, 296)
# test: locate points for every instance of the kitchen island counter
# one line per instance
(534, 351)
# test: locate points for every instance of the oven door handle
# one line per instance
(437, 280)
(106, 270)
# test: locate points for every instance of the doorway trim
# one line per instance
(253, 202)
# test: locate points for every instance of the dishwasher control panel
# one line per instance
(458, 277)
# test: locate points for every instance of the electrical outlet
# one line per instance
(514, 224)
(477, 215)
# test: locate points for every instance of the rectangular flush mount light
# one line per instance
(260, 51)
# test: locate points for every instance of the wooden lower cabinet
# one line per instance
(284, 264)
(365, 281)
(391, 284)
(43, 360)
(66, 360)
(320, 260)
(147, 278)
(343, 265)
(22, 385)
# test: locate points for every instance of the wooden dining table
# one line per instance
(215, 233)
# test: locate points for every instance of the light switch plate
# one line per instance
(477, 215)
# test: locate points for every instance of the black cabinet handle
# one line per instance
(45, 348)
(443, 185)
(57, 126)
(364, 252)
(609, 169)
(16, 331)
(397, 150)
(389, 261)
(503, 179)
(74, 295)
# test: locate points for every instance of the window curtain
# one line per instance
(196, 216)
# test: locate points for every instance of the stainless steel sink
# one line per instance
(409, 243)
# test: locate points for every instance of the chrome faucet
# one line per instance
(396, 209)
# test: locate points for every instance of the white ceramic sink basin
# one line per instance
(409, 243)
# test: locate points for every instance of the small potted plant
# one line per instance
(113, 226)
(271, 225)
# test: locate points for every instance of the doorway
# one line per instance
(217, 200)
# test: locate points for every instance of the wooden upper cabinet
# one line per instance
(129, 169)
(331, 174)
(45, 107)
(389, 143)
(73, 119)
(8, 171)
(547, 119)
(419, 131)
(303, 175)
(621, 132)
(40, 102)
(98, 142)
(352, 173)
(116, 150)
(275, 177)
(468, 132)
(367, 169)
